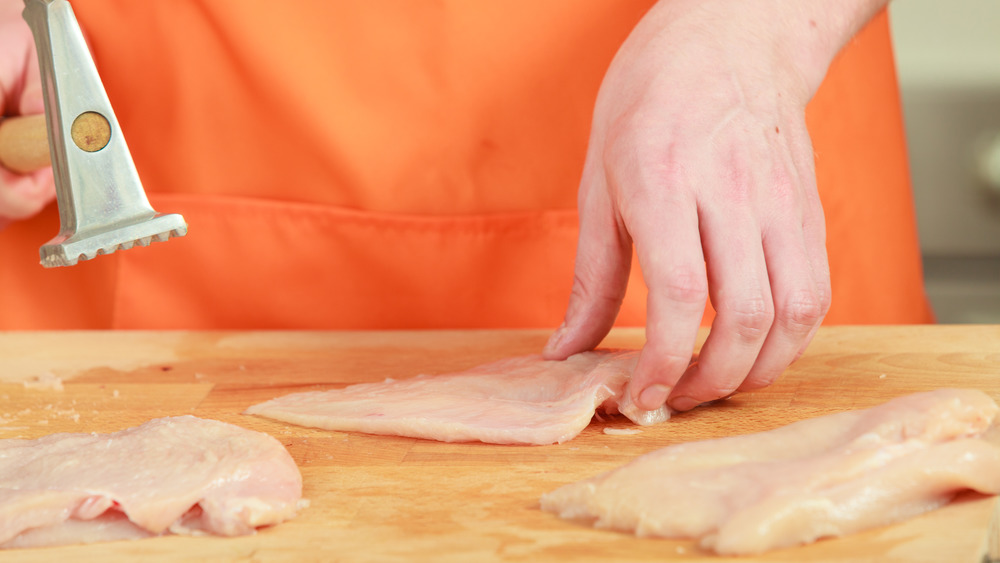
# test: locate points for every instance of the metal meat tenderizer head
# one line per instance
(102, 206)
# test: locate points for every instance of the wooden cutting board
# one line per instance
(399, 499)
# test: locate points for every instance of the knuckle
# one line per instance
(752, 318)
(825, 297)
(805, 309)
(686, 287)
(621, 143)
(785, 185)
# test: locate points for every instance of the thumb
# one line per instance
(600, 277)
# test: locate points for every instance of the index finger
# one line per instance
(668, 245)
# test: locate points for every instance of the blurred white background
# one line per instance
(948, 60)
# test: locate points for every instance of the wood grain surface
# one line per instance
(377, 498)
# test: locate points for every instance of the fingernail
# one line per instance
(553, 343)
(653, 397)
(682, 404)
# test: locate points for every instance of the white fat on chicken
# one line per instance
(522, 400)
(822, 477)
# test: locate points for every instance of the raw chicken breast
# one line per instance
(523, 400)
(181, 475)
(826, 476)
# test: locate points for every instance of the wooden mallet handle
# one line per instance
(24, 143)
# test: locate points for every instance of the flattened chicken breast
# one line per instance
(826, 476)
(180, 475)
(523, 400)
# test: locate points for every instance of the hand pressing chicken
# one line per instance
(700, 159)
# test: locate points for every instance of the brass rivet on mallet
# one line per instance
(91, 131)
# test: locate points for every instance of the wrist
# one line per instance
(815, 31)
(792, 42)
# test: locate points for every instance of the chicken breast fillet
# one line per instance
(181, 475)
(822, 477)
(522, 400)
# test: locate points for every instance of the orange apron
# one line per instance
(407, 164)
